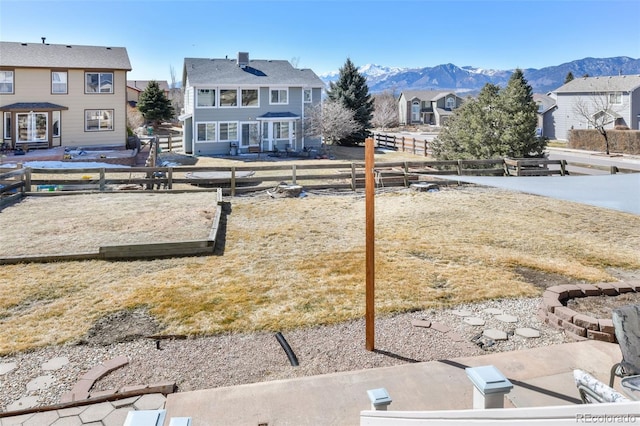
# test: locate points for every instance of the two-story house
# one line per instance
(616, 97)
(234, 104)
(426, 106)
(63, 95)
(546, 104)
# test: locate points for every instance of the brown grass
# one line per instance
(295, 262)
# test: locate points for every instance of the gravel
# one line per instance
(234, 359)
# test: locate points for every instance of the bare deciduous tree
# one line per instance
(332, 120)
(134, 118)
(385, 113)
(599, 111)
(175, 93)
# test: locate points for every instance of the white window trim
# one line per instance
(56, 115)
(215, 98)
(215, 133)
(285, 89)
(237, 131)
(615, 95)
(249, 106)
(219, 99)
(304, 97)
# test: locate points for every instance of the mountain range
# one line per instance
(469, 80)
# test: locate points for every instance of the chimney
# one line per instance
(43, 39)
(243, 59)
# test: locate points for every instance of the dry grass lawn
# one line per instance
(296, 262)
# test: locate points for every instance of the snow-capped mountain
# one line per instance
(471, 79)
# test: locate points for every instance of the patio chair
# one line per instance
(626, 323)
(593, 391)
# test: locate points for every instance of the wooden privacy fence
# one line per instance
(239, 179)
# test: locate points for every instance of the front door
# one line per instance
(415, 112)
(249, 134)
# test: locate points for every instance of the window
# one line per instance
(6, 81)
(281, 130)
(450, 103)
(279, 96)
(206, 97)
(98, 82)
(615, 98)
(307, 95)
(228, 132)
(7, 125)
(228, 97)
(98, 120)
(58, 82)
(32, 126)
(250, 98)
(206, 132)
(540, 106)
(56, 124)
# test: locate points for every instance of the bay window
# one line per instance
(32, 126)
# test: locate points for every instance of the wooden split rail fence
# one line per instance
(15, 183)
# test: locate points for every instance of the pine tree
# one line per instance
(351, 90)
(519, 120)
(498, 123)
(569, 77)
(153, 104)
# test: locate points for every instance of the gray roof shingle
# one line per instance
(41, 55)
(614, 83)
(259, 72)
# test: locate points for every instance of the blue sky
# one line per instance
(320, 35)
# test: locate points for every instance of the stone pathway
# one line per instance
(486, 336)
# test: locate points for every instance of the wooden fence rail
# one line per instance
(405, 144)
(239, 179)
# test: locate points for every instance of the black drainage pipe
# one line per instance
(283, 342)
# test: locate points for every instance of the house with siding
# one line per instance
(63, 95)
(546, 104)
(426, 106)
(618, 97)
(242, 104)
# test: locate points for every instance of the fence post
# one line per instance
(403, 144)
(614, 170)
(293, 174)
(518, 167)
(233, 181)
(425, 148)
(406, 174)
(563, 167)
(394, 142)
(459, 167)
(170, 177)
(102, 182)
(27, 179)
(353, 176)
(169, 142)
(414, 146)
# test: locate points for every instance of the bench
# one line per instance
(255, 149)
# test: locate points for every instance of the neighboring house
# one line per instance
(427, 106)
(235, 104)
(546, 105)
(55, 94)
(135, 87)
(618, 97)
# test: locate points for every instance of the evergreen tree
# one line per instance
(569, 77)
(351, 90)
(519, 113)
(498, 123)
(153, 104)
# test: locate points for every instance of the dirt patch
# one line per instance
(543, 279)
(601, 306)
(122, 326)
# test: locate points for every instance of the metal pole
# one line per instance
(370, 240)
